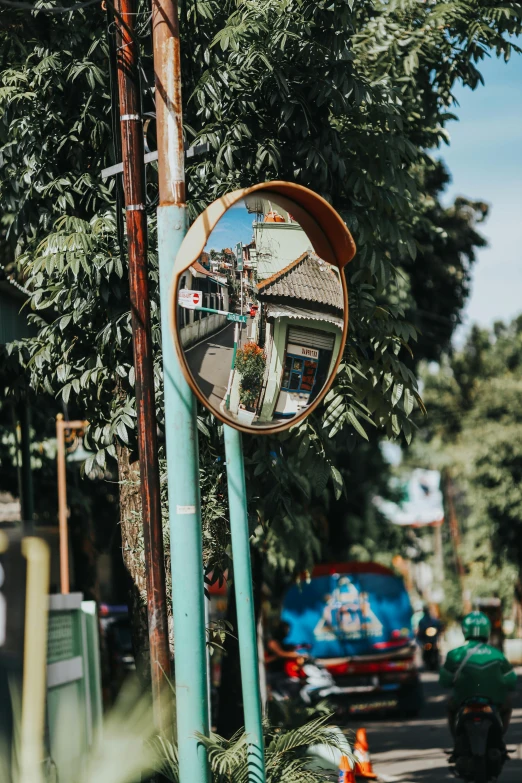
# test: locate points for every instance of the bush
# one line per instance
(250, 363)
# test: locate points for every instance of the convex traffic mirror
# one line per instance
(259, 306)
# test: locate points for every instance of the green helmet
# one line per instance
(476, 626)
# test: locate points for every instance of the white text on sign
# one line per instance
(300, 350)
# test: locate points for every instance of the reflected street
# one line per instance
(210, 362)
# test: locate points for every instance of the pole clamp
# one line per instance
(127, 117)
(135, 207)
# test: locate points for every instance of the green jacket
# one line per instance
(486, 673)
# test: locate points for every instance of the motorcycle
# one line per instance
(480, 751)
(430, 649)
(307, 680)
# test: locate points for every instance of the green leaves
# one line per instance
(349, 99)
(474, 430)
(285, 753)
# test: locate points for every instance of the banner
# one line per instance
(420, 502)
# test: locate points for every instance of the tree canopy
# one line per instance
(348, 98)
(474, 430)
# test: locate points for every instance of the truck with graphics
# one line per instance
(354, 619)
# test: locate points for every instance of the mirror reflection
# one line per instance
(260, 316)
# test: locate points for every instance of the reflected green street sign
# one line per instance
(235, 317)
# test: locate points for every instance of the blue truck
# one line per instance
(355, 620)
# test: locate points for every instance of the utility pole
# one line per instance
(63, 511)
(136, 219)
(192, 715)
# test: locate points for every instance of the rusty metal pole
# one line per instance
(136, 219)
(63, 511)
(62, 505)
(180, 415)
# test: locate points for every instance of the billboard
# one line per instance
(420, 500)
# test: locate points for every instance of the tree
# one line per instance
(474, 429)
(345, 98)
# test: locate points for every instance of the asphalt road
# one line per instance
(210, 362)
(412, 751)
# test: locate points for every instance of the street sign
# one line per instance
(235, 317)
(190, 299)
(239, 257)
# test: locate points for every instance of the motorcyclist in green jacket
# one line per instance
(478, 670)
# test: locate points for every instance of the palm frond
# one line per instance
(313, 733)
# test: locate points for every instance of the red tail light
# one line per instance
(293, 669)
(375, 667)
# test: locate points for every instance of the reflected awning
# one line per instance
(280, 311)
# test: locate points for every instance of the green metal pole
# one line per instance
(190, 663)
(246, 622)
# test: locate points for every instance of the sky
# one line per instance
(485, 160)
(235, 226)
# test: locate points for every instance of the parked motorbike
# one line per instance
(480, 751)
(308, 681)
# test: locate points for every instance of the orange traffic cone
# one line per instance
(363, 766)
(346, 773)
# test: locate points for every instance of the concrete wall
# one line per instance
(196, 329)
(193, 332)
(277, 245)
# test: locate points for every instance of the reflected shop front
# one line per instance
(261, 320)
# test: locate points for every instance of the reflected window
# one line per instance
(308, 377)
(299, 374)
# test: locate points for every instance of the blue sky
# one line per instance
(485, 160)
(235, 226)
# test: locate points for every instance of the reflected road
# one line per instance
(210, 362)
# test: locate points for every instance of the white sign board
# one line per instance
(190, 299)
(299, 350)
(421, 502)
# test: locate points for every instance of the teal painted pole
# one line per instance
(190, 662)
(246, 623)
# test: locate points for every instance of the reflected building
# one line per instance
(301, 327)
(195, 325)
(278, 240)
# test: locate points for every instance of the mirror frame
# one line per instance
(330, 239)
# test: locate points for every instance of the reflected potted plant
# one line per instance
(250, 364)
